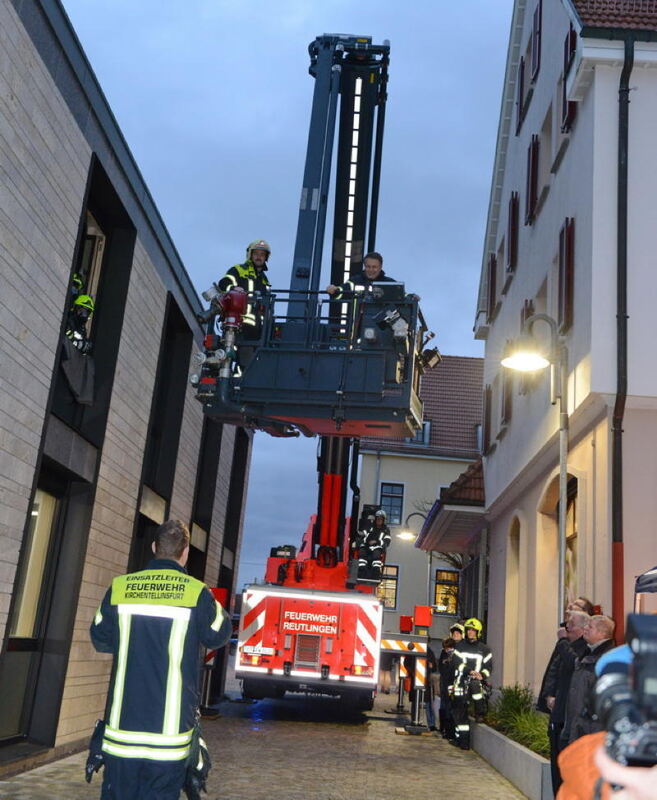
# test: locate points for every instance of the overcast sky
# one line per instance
(213, 98)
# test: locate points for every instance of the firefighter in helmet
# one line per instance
(252, 278)
(76, 325)
(372, 544)
(473, 662)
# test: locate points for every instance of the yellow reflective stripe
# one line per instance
(155, 754)
(174, 678)
(144, 737)
(219, 617)
(99, 617)
(121, 662)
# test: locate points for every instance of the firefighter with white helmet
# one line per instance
(474, 663)
(372, 543)
(252, 278)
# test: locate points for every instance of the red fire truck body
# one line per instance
(313, 641)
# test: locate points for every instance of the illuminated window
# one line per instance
(387, 590)
(446, 591)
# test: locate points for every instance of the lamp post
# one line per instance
(526, 356)
(406, 535)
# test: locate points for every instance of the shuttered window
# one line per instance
(568, 107)
(536, 40)
(520, 94)
(491, 299)
(486, 418)
(512, 233)
(506, 401)
(566, 274)
(532, 179)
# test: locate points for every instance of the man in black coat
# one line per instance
(580, 716)
(372, 272)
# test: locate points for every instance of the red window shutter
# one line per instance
(566, 274)
(491, 298)
(485, 426)
(536, 40)
(568, 107)
(569, 50)
(512, 233)
(532, 179)
(520, 93)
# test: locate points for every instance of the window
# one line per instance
(506, 401)
(446, 591)
(486, 417)
(387, 589)
(33, 567)
(491, 298)
(520, 94)
(566, 274)
(512, 233)
(531, 201)
(571, 542)
(536, 40)
(392, 501)
(422, 436)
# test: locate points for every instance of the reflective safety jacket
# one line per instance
(373, 537)
(154, 622)
(360, 281)
(247, 277)
(471, 657)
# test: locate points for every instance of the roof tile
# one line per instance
(630, 14)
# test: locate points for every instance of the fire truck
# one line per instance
(338, 369)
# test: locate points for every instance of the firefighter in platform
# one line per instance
(473, 663)
(252, 278)
(154, 621)
(76, 325)
(372, 544)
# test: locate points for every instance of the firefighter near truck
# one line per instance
(339, 369)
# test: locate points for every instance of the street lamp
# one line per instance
(526, 355)
(406, 535)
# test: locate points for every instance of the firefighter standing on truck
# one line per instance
(372, 544)
(473, 663)
(154, 621)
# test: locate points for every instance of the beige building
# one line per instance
(404, 477)
(568, 228)
(89, 463)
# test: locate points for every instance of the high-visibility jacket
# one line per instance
(471, 657)
(154, 622)
(360, 282)
(247, 277)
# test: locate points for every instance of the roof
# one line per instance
(452, 397)
(467, 489)
(629, 14)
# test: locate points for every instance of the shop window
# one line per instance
(387, 589)
(392, 502)
(446, 592)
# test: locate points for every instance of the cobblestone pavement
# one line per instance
(294, 749)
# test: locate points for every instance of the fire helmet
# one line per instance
(457, 627)
(380, 513)
(258, 244)
(84, 301)
(474, 623)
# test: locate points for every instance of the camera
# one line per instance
(626, 695)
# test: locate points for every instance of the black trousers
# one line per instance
(142, 779)
(556, 746)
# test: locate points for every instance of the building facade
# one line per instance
(571, 216)
(404, 478)
(96, 448)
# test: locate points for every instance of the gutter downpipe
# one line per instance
(617, 552)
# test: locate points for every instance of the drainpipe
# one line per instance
(617, 557)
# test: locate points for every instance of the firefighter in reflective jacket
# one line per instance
(372, 544)
(154, 621)
(76, 324)
(473, 662)
(251, 277)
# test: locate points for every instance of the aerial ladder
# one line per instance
(340, 369)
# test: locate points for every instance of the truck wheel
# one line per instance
(251, 691)
(361, 701)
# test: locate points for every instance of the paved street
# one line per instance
(301, 750)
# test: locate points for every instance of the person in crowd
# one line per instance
(579, 712)
(372, 272)
(154, 622)
(446, 672)
(432, 689)
(557, 683)
(474, 663)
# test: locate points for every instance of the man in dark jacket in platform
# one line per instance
(557, 683)
(372, 272)
(579, 720)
